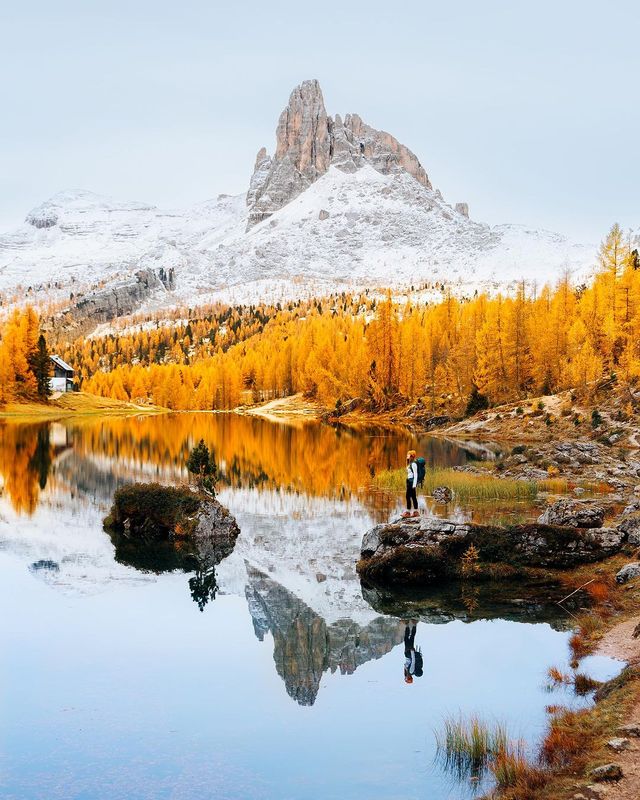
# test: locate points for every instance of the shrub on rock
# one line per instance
(151, 510)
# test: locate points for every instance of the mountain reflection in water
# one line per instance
(305, 646)
(118, 687)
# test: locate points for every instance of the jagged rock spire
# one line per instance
(308, 141)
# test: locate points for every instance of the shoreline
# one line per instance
(73, 404)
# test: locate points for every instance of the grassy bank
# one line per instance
(575, 740)
(72, 404)
(470, 486)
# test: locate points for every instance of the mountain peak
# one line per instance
(308, 142)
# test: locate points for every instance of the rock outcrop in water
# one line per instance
(308, 142)
(159, 528)
(432, 549)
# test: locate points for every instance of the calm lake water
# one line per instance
(289, 682)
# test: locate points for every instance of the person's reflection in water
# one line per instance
(412, 657)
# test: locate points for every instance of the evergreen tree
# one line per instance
(40, 365)
(201, 464)
(476, 402)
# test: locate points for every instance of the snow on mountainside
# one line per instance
(375, 229)
(83, 238)
(366, 227)
(340, 205)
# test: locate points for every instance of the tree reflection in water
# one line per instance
(203, 587)
(305, 457)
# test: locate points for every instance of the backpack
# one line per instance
(422, 470)
(418, 664)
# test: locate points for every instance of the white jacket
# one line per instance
(412, 473)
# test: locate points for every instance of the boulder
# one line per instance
(574, 513)
(632, 505)
(632, 729)
(629, 524)
(628, 572)
(430, 549)
(618, 744)
(607, 772)
(442, 494)
(161, 528)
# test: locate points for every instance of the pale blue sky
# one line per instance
(529, 111)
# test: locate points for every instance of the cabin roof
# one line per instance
(60, 363)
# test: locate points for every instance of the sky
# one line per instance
(527, 111)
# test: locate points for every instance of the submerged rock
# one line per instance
(574, 513)
(431, 549)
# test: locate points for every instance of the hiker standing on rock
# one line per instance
(412, 483)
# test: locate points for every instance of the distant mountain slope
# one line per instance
(339, 205)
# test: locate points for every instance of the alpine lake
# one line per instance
(276, 676)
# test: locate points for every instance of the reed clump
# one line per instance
(465, 746)
(464, 485)
(515, 775)
(471, 749)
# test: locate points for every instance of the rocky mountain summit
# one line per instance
(339, 206)
(309, 141)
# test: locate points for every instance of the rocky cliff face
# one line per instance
(118, 299)
(308, 142)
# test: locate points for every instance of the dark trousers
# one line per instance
(409, 640)
(412, 497)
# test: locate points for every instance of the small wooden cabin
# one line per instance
(62, 378)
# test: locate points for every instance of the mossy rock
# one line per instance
(162, 528)
(153, 511)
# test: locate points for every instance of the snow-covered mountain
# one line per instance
(339, 205)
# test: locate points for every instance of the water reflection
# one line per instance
(252, 453)
(455, 600)
(305, 646)
(110, 626)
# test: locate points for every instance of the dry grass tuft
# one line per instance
(557, 678)
(515, 775)
(568, 735)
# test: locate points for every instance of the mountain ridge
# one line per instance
(339, 206)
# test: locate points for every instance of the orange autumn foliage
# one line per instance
(509, 347)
